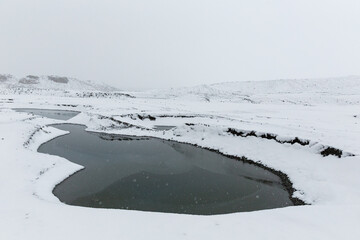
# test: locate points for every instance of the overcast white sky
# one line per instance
(168, 43)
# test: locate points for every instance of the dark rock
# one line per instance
(58, 79)
(28, 81)
(32, 77)
(4, 78)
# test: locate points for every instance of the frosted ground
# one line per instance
(308, 129)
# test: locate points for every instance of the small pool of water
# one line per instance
(49, 113)
(163, 127)
(150, 174)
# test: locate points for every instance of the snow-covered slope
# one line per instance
(51, 82)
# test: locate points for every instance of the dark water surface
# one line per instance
(49, 113)
(157, 175)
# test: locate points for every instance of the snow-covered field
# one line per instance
(265, 119)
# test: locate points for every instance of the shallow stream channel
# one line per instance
(151, 174)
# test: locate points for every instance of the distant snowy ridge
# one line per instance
(52, 82)
(342, 85)
(292, 91)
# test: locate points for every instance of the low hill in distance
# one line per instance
(52, 82)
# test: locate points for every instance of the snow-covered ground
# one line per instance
(265, 119)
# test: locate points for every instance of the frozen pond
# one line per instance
(150, 174)
(49, 113)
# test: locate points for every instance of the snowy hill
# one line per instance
(52, 82)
